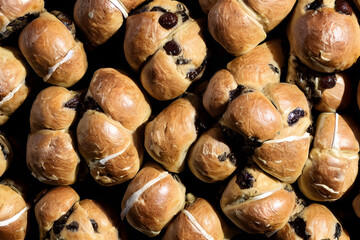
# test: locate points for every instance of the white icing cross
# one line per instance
(119, 5)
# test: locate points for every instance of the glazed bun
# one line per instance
(13, 211)
(333, 161)
(324, 35)
(152, 199)
(199, 220)
(169, 136)
(313, 222)
(99, 19)
(239, 26)
(264, 119)
(257, 202)
(61, 215)
(110, 132)
(51, 153)
(14, 15)
(52, 51)
(167, 46)
(328, 92)
(211, 159)
(13, 88)
(6, 154)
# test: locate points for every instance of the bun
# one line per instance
(333, 161)
(169, 136)
(61, 215)
(13, 86)
(152, 199)
(199, 220)
(324, 36)
(51, 154)
(266, 118)
(239, 26)
(110, 131)
(100, 20)
(314, 221)
(167, 46)
(54, 54)
(14, 15)
(6, 154)
(256, 202)
(211, 159)
(328, 92)
(13, 212)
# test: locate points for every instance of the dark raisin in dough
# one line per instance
(342, 6)
(73, 103)
(193, 73)
(328, 82)
(299, 226)
(233, 94)
(73, 226)
(158, 9)
(245, 180)
(168, 20)
(182, 61)
(275, 69)
(172, 48)
(295, 115)
(337, 231)
(315, 5)
(94, 225)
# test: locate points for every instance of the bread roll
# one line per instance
(6, 154)
(167, 46)
(13, 211)
(211, 159)
(52, 51)
(313, 222)
(169, 136)
(266, 120)
(324, 35)
(152, 199)
(199, 220)
(327, 92)
(100, 19)
(333, 161)
(110, 132)
(13, 88)
(15, 14)
(239, 26)
(51, 153)
(257, 202)
(61, 215)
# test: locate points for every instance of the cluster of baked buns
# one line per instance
(217, 119)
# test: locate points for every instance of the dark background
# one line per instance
(111, 55)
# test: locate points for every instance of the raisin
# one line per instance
(18, 24)
(337, 231)
(73, 103)
(222, 157)
(168, 20)
(90, 103)
(3, 149)
(343, 7)
(158, 9)
(60, 223)
(275, 69)
(182, 12)
(172, 48)
(233, 94)
(245, 180)
(288, 188)
(327, 82)
(73, 226)
(193, 73)
(140, 10)
(229, 156)
(299, 226)
(94, 225)
(295, 115)
(315, 5)
(182, 61)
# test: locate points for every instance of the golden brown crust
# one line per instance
(53, 44)
(183, 227)
(158, 203)
(52, 206)
(169, 136)
(319, 223)
(249, 24)
(332, 165)
(120, 97)
(51, 157)
(13, 89)
(49, 109)
(256, 202)
(11, 204)
(210, 158)
(324, 39)
(108, 148)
